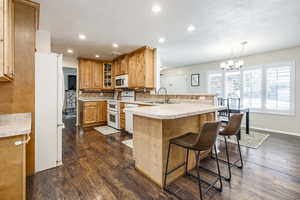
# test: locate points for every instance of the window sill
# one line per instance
(273, 113)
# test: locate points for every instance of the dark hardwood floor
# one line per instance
(101, 167)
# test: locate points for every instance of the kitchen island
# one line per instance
(154, 126)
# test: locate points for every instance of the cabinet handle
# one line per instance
(18, 143)
(12, 74)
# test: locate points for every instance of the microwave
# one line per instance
(121, 81)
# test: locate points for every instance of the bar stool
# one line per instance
(197, 142)
(232, 129)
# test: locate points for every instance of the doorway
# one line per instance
(70, 103)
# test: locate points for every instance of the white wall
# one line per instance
(43, 41)
(70, 62)
(279, 123)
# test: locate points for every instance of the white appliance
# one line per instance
(113, 113)
(129, 118)
(128, 95)
(49, 98)
(122, 81)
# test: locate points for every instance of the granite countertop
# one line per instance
(87, 99)
(173, 111)
(15, 124)
(137, 102)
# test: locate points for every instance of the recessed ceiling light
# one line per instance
(70, 51)
(115, 45)
(156, 8)
(161, 40)
(82, 36)
(191, 28)
(97, 56)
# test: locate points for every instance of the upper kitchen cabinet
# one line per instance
(97, 78)
(141, 68)
(121, 65)
(91, 74)
(124, 65)
(85, 74)
(6, 40)
(117, 67)
(108, 71)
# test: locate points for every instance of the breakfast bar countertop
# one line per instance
(15, 124)
(91, 99)
(173, 111)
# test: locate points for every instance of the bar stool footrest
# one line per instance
(171, 171)
(210, 185)
(214, 173)
(233, 164)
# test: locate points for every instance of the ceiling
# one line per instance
(220, 27)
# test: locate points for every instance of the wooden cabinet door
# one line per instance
(102, 111)
(117, 67)
(85, 74)
(12, 168)
(124, 65)
(2, 38)
(132, 71)
(140, 70)
(90, 112)
(97, 75)
(6, 40)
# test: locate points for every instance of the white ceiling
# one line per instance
(220, 26)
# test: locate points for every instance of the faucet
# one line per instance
(166, 92)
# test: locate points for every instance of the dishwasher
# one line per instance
(129, 118)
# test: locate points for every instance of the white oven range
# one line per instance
(113, 113)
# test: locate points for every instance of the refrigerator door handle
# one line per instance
(58, 125)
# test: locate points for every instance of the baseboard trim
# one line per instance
(273, 131)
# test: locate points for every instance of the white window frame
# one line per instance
(257, 67)
(264, 68)
(291, 111)
(216, 72)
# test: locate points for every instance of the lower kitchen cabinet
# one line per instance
(93, 113)
(12, 168)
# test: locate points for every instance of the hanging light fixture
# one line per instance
(234, 63)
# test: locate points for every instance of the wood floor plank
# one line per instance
(101, 167)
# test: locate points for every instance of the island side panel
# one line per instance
(147, 147)
(151, 139)
(171, 129)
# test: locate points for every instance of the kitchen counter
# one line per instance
(15, 124)
(87, 99)
(154, 126)
(173, 111)
(137, 102)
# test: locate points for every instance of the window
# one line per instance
(278, 88)
(268, 88)
(252, 88)
(215, 83)
(232, 84)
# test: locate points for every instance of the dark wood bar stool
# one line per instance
(232, 129)
(197, 142)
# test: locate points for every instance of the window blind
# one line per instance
(252, 88)
(278, 88)
(215, 83)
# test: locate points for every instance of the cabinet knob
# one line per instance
(1, 40)
(12, 73)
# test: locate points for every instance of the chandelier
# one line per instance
(234, 63)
